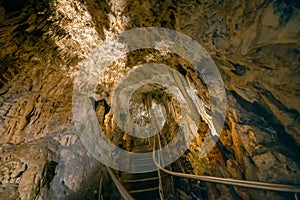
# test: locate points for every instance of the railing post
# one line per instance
(234, 182)
(124, 193)
(160, 187)
(100, 197)
(296, 196)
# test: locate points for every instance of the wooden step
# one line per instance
(144, 190)
(140, 180)
(144, 186)
(141, 184)
(147, 195)
(136, 176)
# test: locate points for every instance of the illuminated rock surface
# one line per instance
(255, 45)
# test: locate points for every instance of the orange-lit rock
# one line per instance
(255, 45)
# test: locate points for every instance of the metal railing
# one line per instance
(122, 190)
(229, 181)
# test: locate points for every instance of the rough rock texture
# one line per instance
(255, 45)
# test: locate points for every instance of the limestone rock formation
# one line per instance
(255, 45)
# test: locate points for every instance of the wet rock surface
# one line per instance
(255, 45)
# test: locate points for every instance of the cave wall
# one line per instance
(255, 45)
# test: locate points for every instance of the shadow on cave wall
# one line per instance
(22, 25)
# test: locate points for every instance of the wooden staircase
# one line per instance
(141, 185)
(145, 186)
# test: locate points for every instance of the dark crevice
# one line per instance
(13, 5)
(49, 173)
(99, 11)
(271, 121)
(239, 69)
(285, 10)
(106, 106)
(295, 3)
(226, 153)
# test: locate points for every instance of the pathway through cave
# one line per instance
(255, 45)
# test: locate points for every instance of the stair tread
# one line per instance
(151, 195)
(131, 176)
(140, 180)
(141, 150)
(143, 190)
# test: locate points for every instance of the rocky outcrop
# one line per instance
(255, 45)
